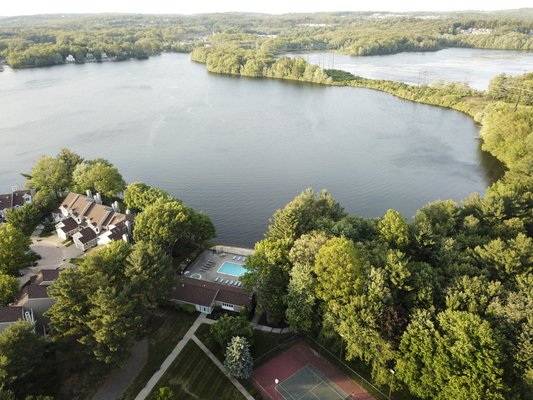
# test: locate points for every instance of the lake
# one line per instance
(239, 148)
(474, 66)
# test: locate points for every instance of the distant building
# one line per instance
(70, 59)
(89, 57)
(17, 198)
(89, 223)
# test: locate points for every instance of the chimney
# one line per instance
(115, 207)
(98, 198)
(128, 211)
(89, 194)
(128, 225)
(126, 238)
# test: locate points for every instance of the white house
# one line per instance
(70, 59)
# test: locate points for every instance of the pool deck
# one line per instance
(213, 259)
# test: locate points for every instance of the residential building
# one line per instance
(12, 314)
(17, 198)
(89, 222)
(206, 295)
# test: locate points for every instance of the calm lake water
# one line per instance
(474, 66)
(240, 148)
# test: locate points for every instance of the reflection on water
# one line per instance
(241, 148)
(473, 66)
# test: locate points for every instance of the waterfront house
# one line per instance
(204, 296)
(17, 198)
(89, 222)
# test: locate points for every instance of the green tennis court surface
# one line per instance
(310, 384)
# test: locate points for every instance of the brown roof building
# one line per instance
(89, 222)
(17, 198)
(206, 295)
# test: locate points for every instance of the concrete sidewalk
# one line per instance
(121, 378)
(221, 367)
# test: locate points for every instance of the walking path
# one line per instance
(145, 392)
(121, 378)
(221, 367)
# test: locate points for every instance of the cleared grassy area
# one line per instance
(192, 375)
(263, 341)
(168, 330)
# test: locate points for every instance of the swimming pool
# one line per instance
(229, 268)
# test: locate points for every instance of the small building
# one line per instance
(85, 239)
(32, 301)
(17, 198)
(12, 314)
(70, 59)
(67, 228)
(89, 57)
(206, 295)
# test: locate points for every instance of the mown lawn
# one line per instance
(193, 375)
(263, 341)
(173, 326)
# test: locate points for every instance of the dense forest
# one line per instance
(49, 40)
(441, 307)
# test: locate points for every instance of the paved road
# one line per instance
(53, 255)
(120, 379)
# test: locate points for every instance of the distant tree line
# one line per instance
(37, 41)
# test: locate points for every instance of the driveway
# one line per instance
(53, 255)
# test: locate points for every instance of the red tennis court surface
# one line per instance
(293, 360)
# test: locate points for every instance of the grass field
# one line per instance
(263, 341)
(193, 375)
(161, 342)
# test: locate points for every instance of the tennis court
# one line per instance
(310, 384)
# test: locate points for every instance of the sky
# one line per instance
(30, 7)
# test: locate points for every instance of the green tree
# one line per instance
(162, 223)
(226, 327)
(239, 361)
(13, 246)
(165, 393)
(22, 360)
(138, 196)
(24, 218)
(151, 273)
(114, 324)
(9, 286)
(339, 270)
(268, 274)
(45, 201)
(459, 356)
(394, 229)
(70, 159)
(97, 306)
(50, 173)
(301, 310)
(99, 176)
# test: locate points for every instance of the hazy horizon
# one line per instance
(275, 7)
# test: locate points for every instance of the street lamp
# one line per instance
(276, 381)
(390, 385)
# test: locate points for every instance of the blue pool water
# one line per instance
(229, 268)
